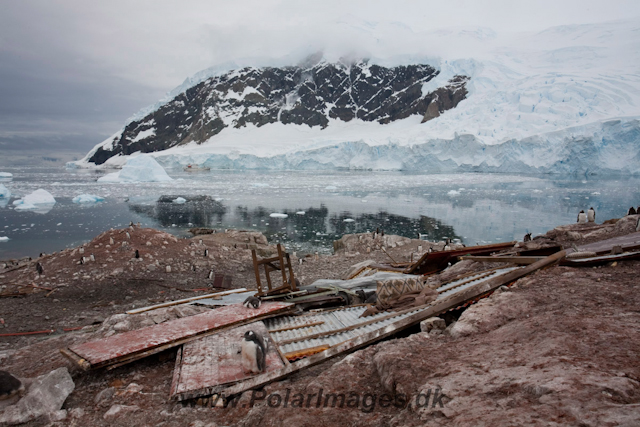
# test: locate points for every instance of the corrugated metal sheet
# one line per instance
(225, 299)
(350, 316)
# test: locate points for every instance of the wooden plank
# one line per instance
(132, 345)
(433, 261)
(186, 300)
(520, 260)
(599, 260)
(627, 242)
(211, 363)
(439, 307)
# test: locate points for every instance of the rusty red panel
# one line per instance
(108, 350)
(215, 360)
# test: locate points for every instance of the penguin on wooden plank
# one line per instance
(254, 352)
(252, 302)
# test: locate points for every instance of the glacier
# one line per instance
(563, 101)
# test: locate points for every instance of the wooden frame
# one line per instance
(269, 264)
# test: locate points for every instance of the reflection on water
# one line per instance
(198, 211)
(319, 206)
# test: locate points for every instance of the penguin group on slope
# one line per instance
(254, 352)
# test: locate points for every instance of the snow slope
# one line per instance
(565, 100)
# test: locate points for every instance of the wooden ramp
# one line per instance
(127, 347)
(206, 365)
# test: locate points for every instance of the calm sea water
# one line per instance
(319, 206)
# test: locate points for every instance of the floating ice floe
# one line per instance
(453, 193)
(180, 201)
(139, 169)
(301, 213)
(6, 176)
(279, 215)
(330, 187)
(4, 239)
(4, 192)
(87, 198)
(348, 220)
(40, 201)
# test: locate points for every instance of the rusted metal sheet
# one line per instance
(296, 334)
(626, 242)
(435, 261)
(129, 346)
(438, 307)
(211, 363)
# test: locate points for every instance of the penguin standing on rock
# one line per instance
(591, 215)
(252, 302)
(39, 269)
(206, 253)
(527, 237)
(631, 211)
(582, 217)
(254, 352)
(137, 254)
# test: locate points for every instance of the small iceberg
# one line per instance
(301, 213)
(348, 220)
(87, 199)
(40, 200)
(139, 169)
(6, 176)
(453, 193)
(180, 201)
(279, 215)
(4, 192)
(4, 239)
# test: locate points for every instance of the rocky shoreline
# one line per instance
(558, 347)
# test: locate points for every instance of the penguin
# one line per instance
(252, 302)
(638, 225)
(582, 217)
(130, 223)
(254, 352)
(128, 235)
(527, 237)
(193, 267)
(81, 250)
(92, 258)
(81, 261)
(137, 254)
(39, 269)
(206, 253)
(632, 211)
(9, 385)
(591, 215)
(111, 241)
(41, 255)
(139, 224)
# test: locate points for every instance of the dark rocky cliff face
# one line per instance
(299, 95)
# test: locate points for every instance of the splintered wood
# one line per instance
(207, 365)
(123, 348)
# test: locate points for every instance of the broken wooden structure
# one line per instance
(282, 263)
(432, 262)
(120, 349)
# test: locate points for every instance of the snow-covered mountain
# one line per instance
(566, 100)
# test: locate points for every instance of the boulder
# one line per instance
(45, 397)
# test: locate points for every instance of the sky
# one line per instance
(73, 71)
